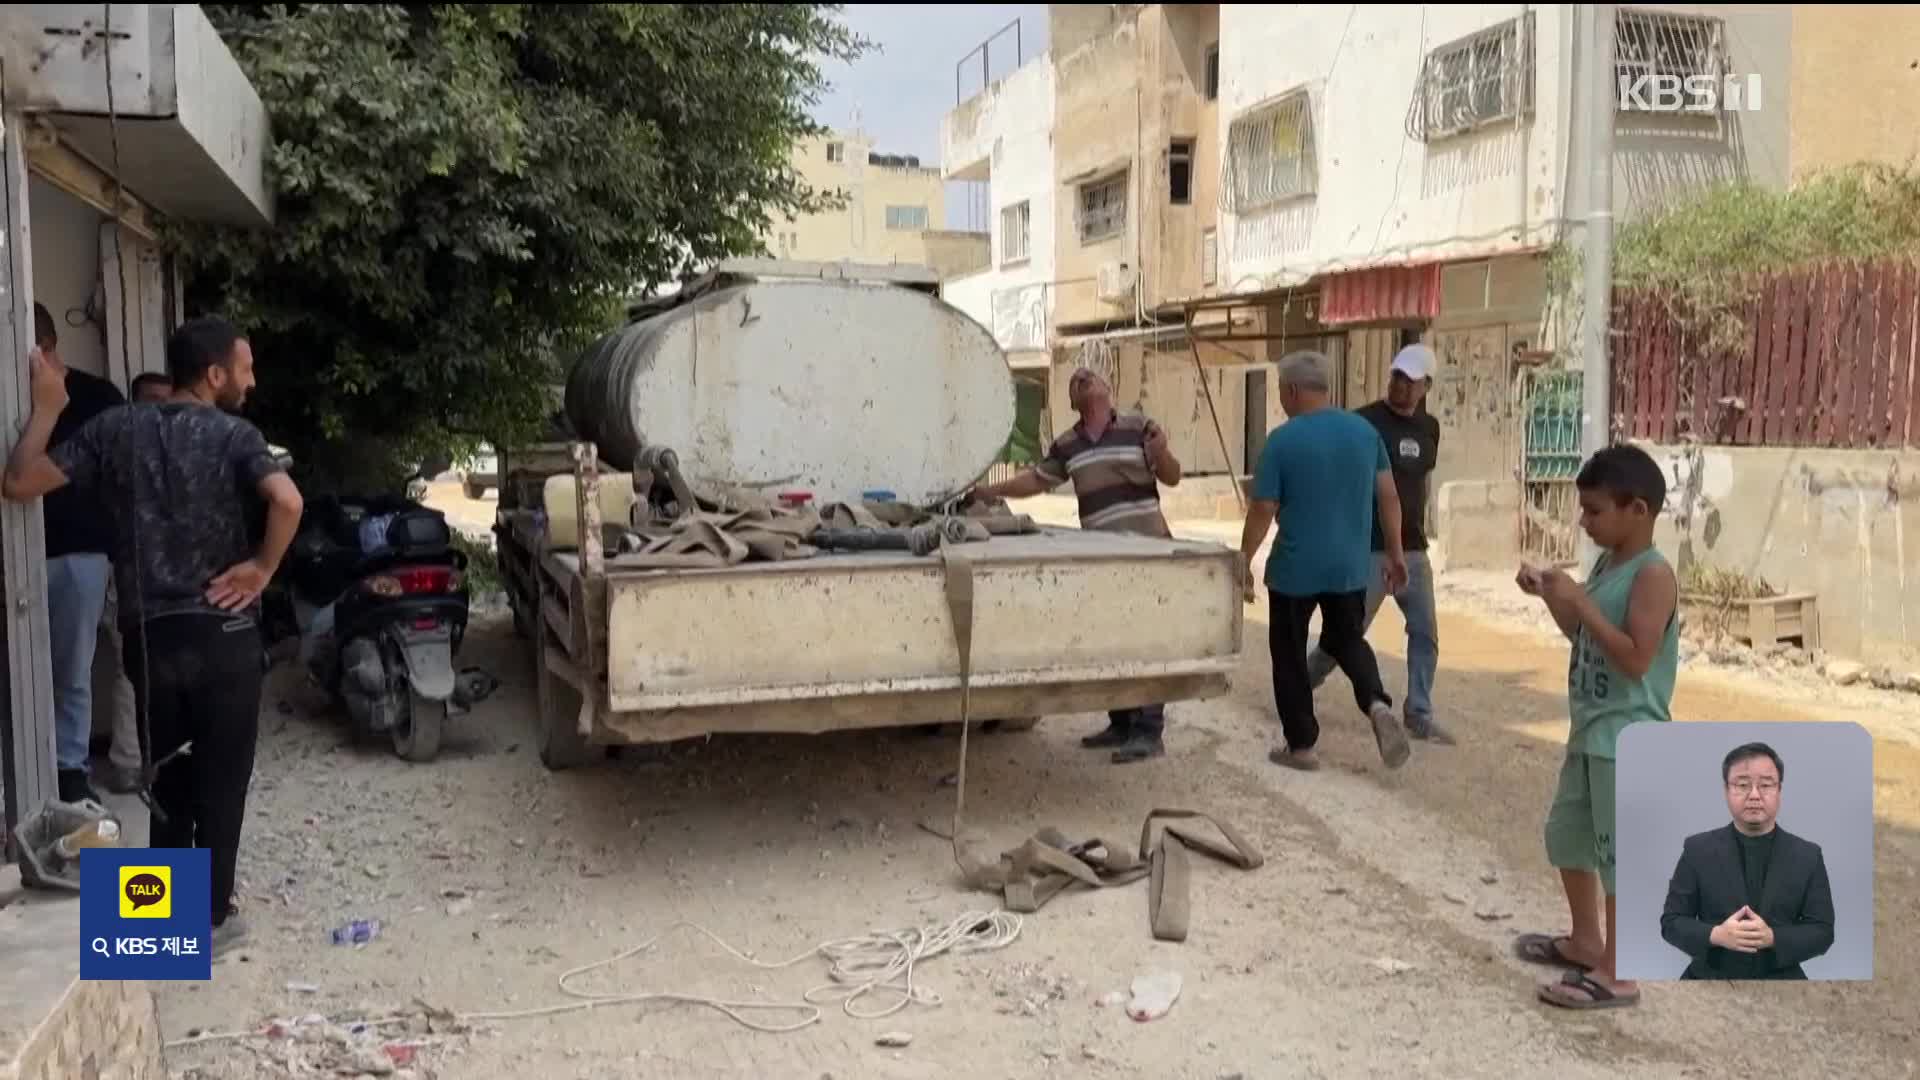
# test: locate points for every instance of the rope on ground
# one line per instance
(880, 963)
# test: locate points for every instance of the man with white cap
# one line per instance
(1116, 463)
(1412, 436)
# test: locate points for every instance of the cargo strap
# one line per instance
(1047, 864)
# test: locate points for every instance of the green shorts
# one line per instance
(1580, 821)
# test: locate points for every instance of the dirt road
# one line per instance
(1343, 956)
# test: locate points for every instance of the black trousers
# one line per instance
(1148, 721)
(200, 681)
(1343, 618)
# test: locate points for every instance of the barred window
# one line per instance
(1270, 154)
(1483, 78)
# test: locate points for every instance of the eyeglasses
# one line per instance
(1748, 787)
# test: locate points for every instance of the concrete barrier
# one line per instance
(52, 1025)
(1474, 524)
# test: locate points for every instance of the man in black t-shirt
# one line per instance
(78, 540)
(189, 575)
(1412, 436)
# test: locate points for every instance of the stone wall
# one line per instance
(52, 1025)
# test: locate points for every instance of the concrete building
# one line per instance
(1856, 85)
(91, 171)
(1004, 137)
(893, 211)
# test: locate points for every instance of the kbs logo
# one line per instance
(1667, 93)
(146, 892)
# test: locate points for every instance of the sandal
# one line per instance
(1595, 996)
(1544, 949)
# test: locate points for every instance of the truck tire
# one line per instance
(556, 721)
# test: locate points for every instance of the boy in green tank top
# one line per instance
(1625, 653)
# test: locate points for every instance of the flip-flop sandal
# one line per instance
(1544, 949)
(1293, 761)
(1596, 995)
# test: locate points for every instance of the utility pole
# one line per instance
(1596, 380)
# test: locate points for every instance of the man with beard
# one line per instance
(175, 477)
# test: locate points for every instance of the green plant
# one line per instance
(483, 563)
(466, 192)
(1715, 591)
(1704, 255)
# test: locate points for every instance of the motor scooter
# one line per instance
(379, 602)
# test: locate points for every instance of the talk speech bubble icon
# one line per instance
(145, 890)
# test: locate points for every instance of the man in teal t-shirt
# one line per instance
(1325, 474)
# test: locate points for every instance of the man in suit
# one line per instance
(1749, 900)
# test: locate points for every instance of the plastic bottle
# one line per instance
(357, 932)
(102, 833)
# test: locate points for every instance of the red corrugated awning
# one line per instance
(1387, 293)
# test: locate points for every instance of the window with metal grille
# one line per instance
(1180, 172)
(1103, 208)
(907, 218)
(1016, 223)
(1212, 88)
(1209, 256)
(1661, 48)
(1270, 154)
(1483, 78)
(836, 151)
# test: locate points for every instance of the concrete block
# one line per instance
(1460, 495)
(52, 1025)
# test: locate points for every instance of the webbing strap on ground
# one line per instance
(1047, 864)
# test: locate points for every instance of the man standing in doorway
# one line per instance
(147, 388)
(78, 538)
(1412, 438)
(1324, 474)
(176, 478)
(151, 388)
(1115, 462)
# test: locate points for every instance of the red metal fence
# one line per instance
(1828, 356)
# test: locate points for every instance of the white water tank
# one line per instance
(824, 384)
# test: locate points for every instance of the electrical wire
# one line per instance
(880, 963)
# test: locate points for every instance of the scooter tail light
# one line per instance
(414, 581)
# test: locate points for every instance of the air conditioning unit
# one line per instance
(1115, 282)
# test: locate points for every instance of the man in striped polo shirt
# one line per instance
(1116, 463)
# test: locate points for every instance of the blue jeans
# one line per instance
(1423, 633)
(76, 596)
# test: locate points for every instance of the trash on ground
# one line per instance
(1154, 995)
(894, 1039)
(1387, 965)
(357, 932)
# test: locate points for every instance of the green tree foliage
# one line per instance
(467, 192)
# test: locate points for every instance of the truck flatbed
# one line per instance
(1065, 620)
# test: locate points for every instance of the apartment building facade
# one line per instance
(1356, 176)
(893, 210)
